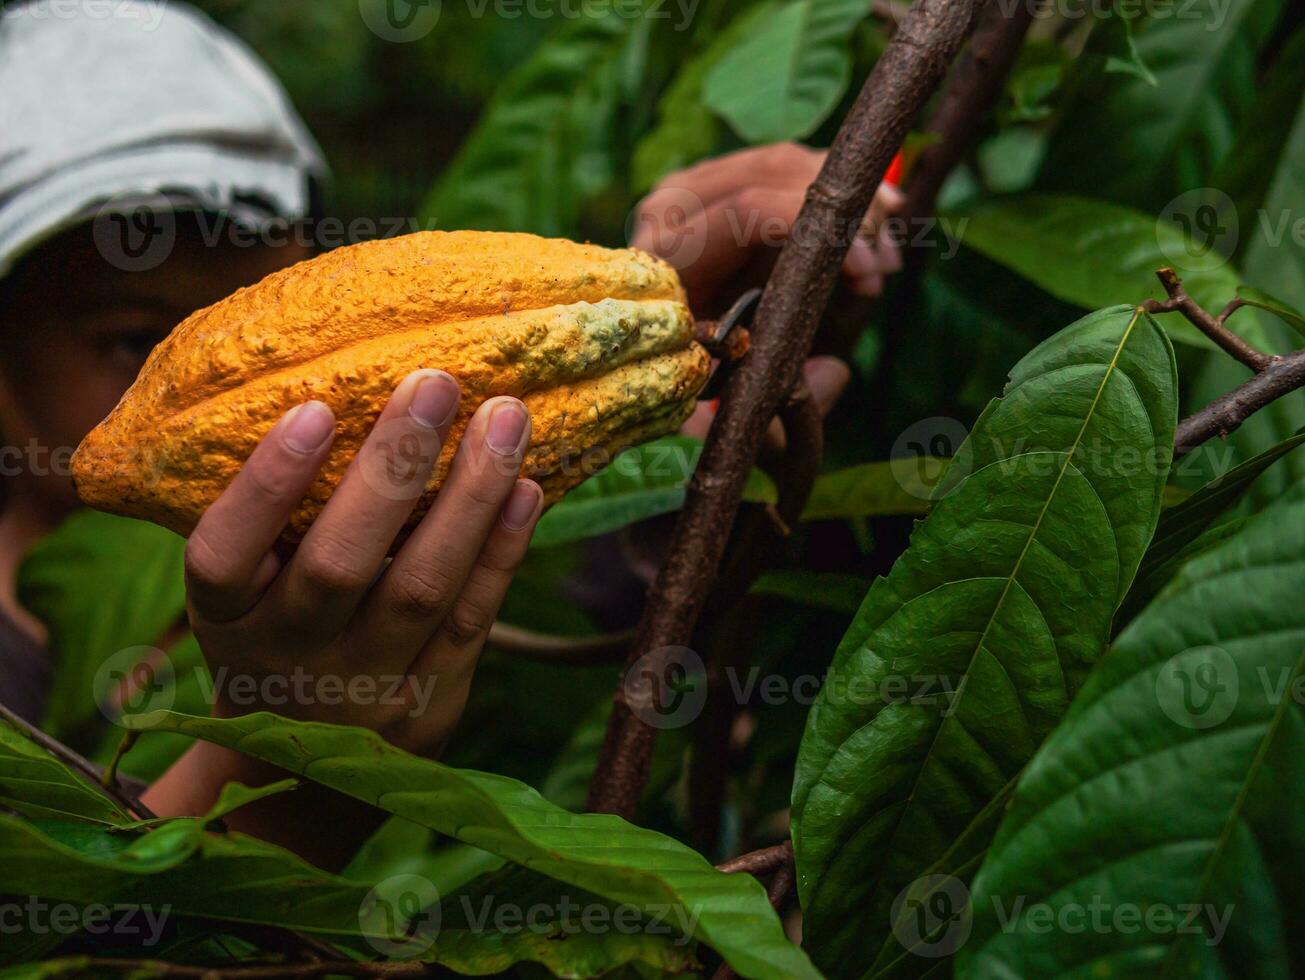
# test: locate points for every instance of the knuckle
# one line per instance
(203, 564)
(330, 572)
(421, 596)
(468, 623)
(272, 483)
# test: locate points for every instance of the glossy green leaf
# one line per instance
(1137, 141)
(1171, 791)
(37, 784)
(897, 486)
(1271, 304)
(640, 483)
(596, 852)
(1094, 253)
(1182, 525)
(783, 78)
(178, 869)
(963, 658)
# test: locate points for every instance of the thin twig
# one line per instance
(1275, 375)
(79, 764)
(760, 862)
(573, 651)
(109, 778)
(1212, 326)
(790, 311)
(778, 859)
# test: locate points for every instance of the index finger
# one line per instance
(226, 567)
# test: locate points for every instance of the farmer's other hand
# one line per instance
(721, 223)
(333, 632)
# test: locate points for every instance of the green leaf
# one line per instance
(35, 783)
(640, 483)
(1183, 524)
(687, 130)
(1283, 311)
(788, 72)
(101, 584)
(962, 660)
(897, 486)
(177, 869)
(1174, 785)
(1139, 141)
(596, 852)
(1115, 40)
(1093, 253)
(545, 144)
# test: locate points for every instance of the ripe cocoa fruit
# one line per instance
(597, 343)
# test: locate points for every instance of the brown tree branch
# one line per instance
(975, 85)
(1225, 415)
(1212, 326)
(794, 300)
(778, 859)
(760, 862)
(1275, 375)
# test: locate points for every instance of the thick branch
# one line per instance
(794, 300)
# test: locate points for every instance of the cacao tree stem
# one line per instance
(1275, 375)
(794, 300)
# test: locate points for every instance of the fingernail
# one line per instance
(308, 426)
(435, 400)
(521, 505)
(507, 427)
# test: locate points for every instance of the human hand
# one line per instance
(721, 223)
(395, 644)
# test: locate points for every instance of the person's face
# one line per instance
(75, 331)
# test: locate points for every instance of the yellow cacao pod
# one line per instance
(597, 342)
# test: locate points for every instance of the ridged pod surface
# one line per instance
(597, 342)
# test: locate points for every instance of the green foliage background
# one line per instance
(1113, 135)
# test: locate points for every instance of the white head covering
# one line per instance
(126, 102)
